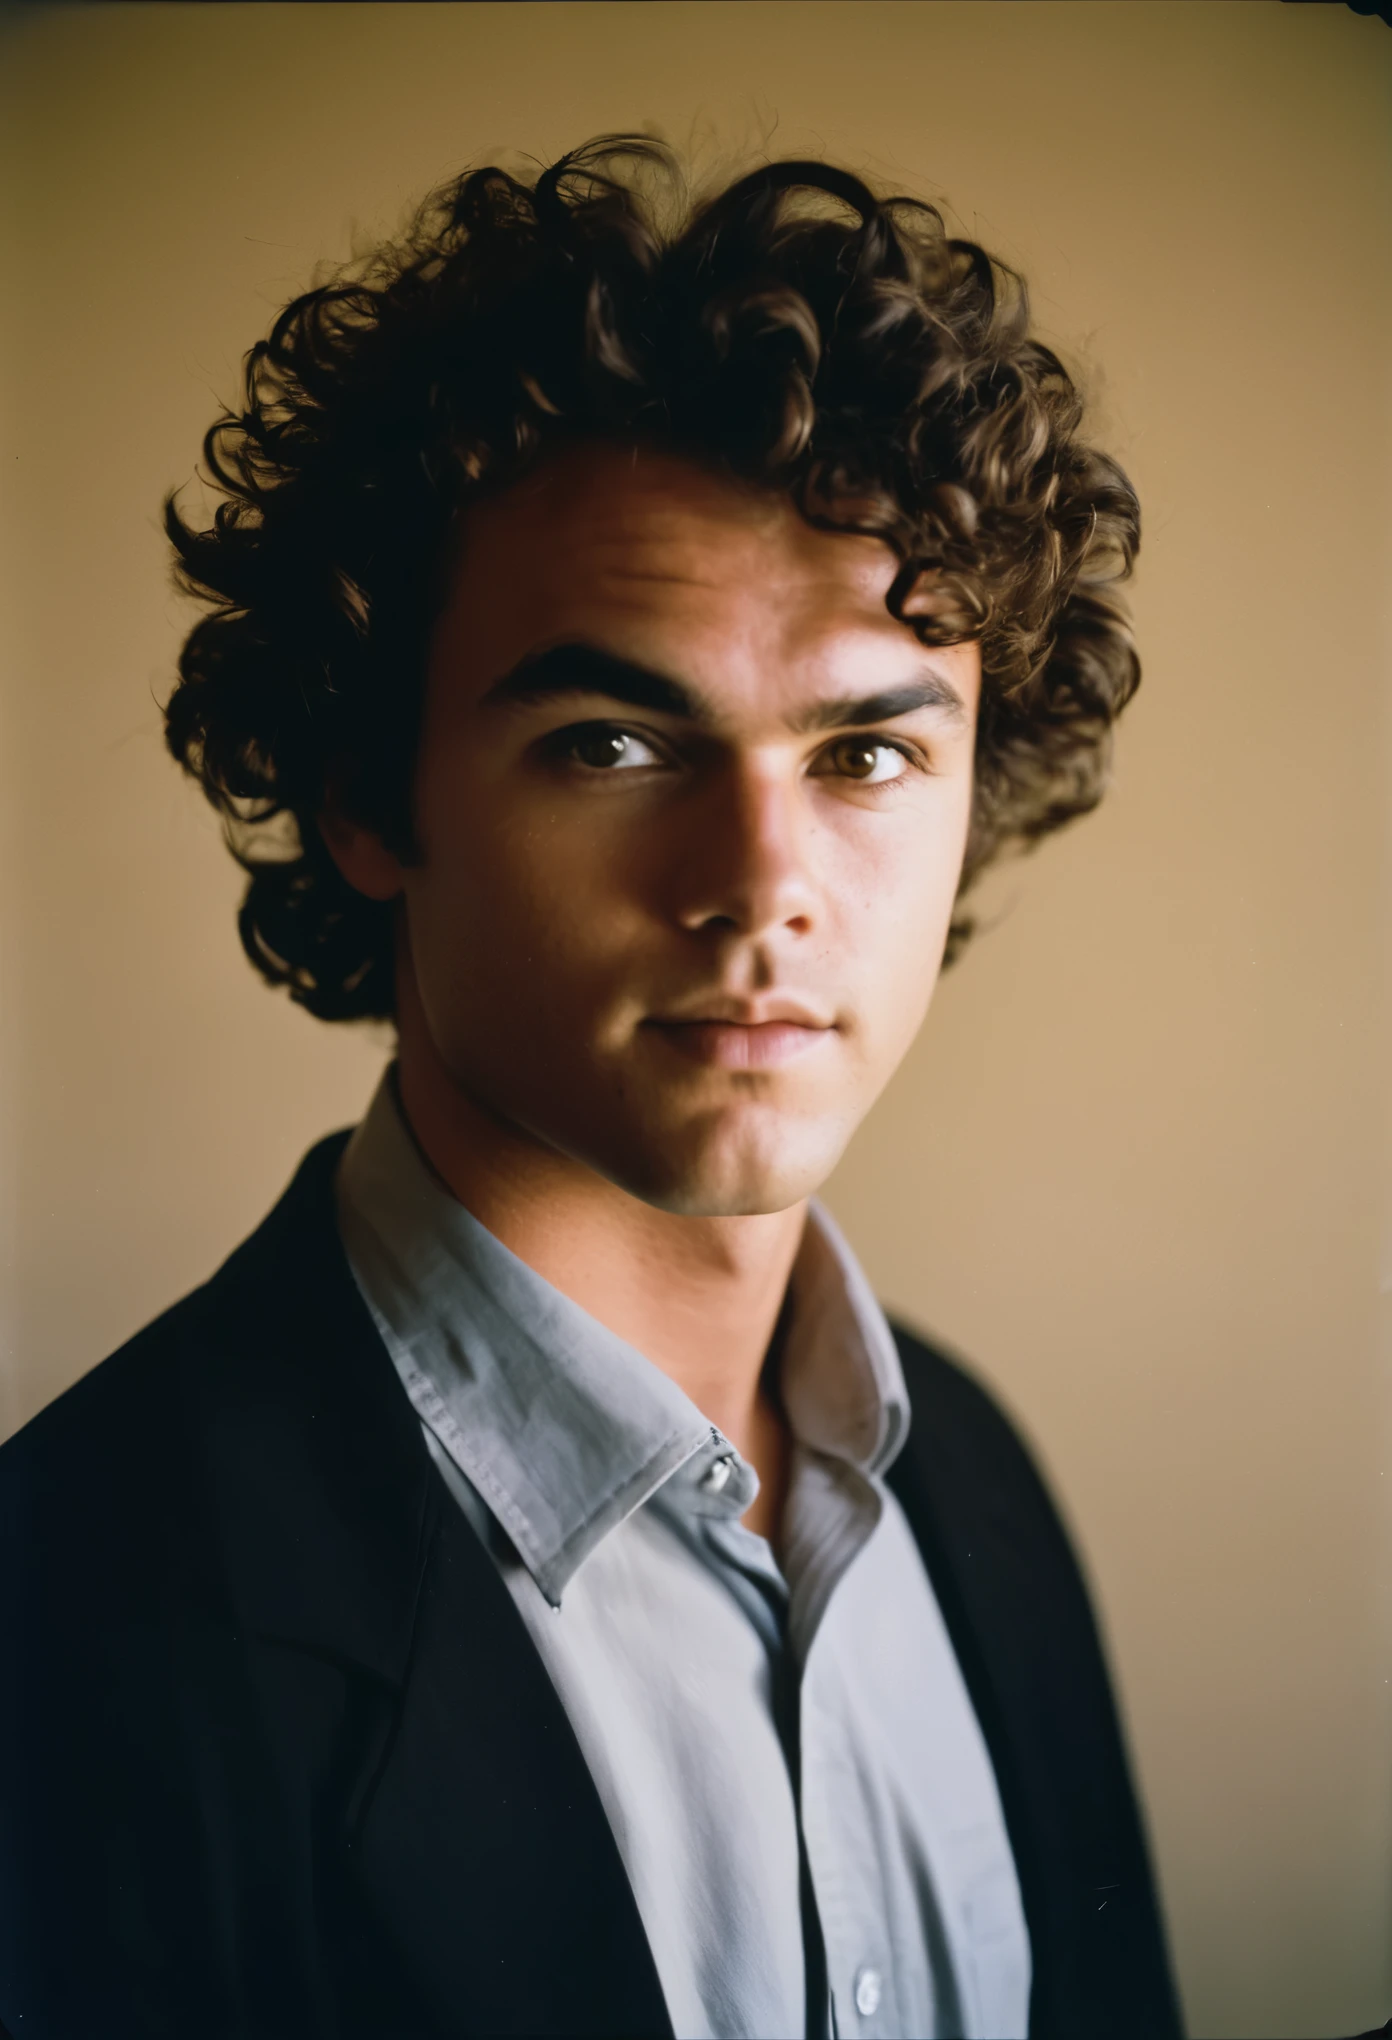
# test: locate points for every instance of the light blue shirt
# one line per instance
(742, 1720)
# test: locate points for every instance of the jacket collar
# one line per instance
(321, 1488)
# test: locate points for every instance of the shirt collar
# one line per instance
(562, 1427)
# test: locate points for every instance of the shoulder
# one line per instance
(1017, 1608)
(149, 1518)
(989, 1528)
(115, 1462)
(944, 1387)
(124, 1397)
(965, 1455)
(98, 1510)
(142, 1387)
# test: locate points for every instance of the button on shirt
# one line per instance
(785, 1752)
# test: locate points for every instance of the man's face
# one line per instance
(691, 807)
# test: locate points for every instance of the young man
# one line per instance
(530, 1589)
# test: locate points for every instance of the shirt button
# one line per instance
(716, 1475)
(867, 1992)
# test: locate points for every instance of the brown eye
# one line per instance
(858, 761)
(871, 763)
(600, 748)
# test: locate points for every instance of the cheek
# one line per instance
(894, 907)
(899, 879)
(516, 884)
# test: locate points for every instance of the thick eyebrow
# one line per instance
(584, 669)
(933, 690)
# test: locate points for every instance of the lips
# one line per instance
(760, 1011)
(745, 1034)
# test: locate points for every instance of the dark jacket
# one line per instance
(279, 1761)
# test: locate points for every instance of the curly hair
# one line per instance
(794, 330)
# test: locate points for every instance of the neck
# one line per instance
(699, 1297)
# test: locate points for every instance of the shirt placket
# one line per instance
(851, 1905)
(845, 1875)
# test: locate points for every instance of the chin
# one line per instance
(724, 1171)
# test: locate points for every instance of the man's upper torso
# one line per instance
(287, 1750)
(786, 1754)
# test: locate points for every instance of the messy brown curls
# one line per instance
(795, 330)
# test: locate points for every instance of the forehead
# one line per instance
(637, 547)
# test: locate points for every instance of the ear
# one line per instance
(360, 855)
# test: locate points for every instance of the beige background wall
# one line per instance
(1132, 1168)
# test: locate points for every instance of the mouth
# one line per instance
(745, 1035)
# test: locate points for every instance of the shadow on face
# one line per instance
(691, 806)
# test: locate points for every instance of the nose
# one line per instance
(745, 862)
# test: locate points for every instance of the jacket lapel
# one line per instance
(484, 1848)
(473, 1874)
